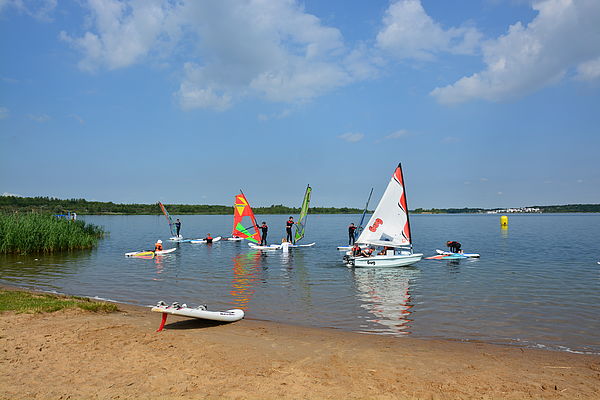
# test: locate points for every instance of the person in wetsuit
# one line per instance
(177, 226)
(263, 235)
(454, 246)
(351, 230)
(208, 238)
(288, 229)
(356, 251)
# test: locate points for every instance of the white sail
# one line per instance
(389, 225)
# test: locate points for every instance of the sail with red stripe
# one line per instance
(389, 224)
(242, 210)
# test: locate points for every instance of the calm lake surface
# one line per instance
(537, 283)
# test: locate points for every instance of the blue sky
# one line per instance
(490, 103)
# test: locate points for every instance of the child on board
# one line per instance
(208, 238)
(263, 236)
(454, 246)
(158, 245)
(288, 229)
(351, 231)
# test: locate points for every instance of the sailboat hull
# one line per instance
(397, 260)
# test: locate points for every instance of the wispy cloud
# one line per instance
(77, 118)
(351, 137)
(450, 139)
(398, 134)
(281, 115)
(3, 112)
(39, 117)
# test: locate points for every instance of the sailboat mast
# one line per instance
(406, 201)
(362, 219)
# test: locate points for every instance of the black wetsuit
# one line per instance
(351, 237)
(454, 247)
(178, 227)
(208, 240)
(288, 230)
(263, 235)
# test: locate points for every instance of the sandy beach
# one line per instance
(83, 355)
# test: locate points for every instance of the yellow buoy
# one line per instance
(504, 220)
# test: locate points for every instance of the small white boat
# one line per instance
(389, 227)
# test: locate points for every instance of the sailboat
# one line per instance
(301, 224)
(360, 227)
(389, 227)
(241, 210)
(174, 236)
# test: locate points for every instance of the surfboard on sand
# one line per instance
(199, 312)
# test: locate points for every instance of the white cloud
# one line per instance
(39, 9)
(408, 32)
(3, 112)
(38, 117)
(398, 134)
(351, 137)
(77, 118)
(564, 35)
(589, 70)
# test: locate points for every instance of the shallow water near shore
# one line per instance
(537, 283)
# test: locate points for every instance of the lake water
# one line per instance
(537, 283)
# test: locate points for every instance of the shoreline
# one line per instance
(87, 355)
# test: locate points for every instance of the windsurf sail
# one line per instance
(169, 219)
(362, 219)
(301, 224)
(389, 224)
(241, 210)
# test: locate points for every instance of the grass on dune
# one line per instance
(30, 303)
(24, 233)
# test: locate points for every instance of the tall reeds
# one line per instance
(23, 233)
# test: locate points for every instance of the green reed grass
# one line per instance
(23, 233)
(25, 302)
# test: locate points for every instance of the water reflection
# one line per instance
(385, 293)
(246, 272)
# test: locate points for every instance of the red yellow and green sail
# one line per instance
(241, 210)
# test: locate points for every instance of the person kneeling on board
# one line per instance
(158, 245)
(454, 246)
(208, 238)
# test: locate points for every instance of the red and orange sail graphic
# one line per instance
(241, 210)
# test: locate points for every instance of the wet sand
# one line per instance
(82, 355)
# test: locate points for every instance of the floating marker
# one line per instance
(504, 221)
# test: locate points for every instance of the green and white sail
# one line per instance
(301, 224)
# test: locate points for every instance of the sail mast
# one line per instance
(405, 204)
(362, 219)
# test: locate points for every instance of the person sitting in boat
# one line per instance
(158, 245)
(454, 246)
(263, 236)
(351, 230)
(384, 251)
(356, 251)
(208, 238)
(368, 252)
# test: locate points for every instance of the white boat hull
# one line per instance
(397, 260)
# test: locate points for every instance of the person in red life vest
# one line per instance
(288, 229)
(454, 246)
(208, 238)
(351, 233)
(368, 252)
(263, 236)
(158, 245)
(356, 251)
(385, 250)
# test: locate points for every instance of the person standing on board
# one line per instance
(288, 229)
(351, 238)
(158, 245)
(177, 226)
(208, 238)
(454, 246)
(263, 236)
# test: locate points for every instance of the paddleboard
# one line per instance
(235, 239)
(269, 247)
(199, 312)
(303, 245)
(470, 255)
(200, 241)
(176, 238)
(453, 256)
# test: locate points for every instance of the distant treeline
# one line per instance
(81, 206)
(569, 208)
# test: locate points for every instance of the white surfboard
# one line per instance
(199, 312)
(199, 241)
(235, 239)
(447, 253)
(269, 247)
(303, 245)
(150, 252)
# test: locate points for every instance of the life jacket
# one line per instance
(158, 247)
(289, 224)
